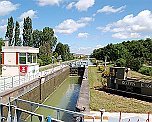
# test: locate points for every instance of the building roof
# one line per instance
(24, 49)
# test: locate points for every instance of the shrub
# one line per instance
(101, 68)
(146, 70)
(121, 62)
(40, 62)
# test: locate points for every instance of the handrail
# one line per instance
(51, 107)
(78, 114)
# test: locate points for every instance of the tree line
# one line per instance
(131, 54)
(44, 39)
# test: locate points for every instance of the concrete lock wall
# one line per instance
(37, 90)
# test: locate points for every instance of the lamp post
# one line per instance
(101, 111)
(41, 79)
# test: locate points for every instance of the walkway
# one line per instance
(114, 117)
(84, 95)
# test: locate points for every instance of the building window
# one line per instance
(22, 58)
(34, 58)
(29, 55)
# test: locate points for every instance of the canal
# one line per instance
(64, 97)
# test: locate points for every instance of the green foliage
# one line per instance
(40, 62)
(146, 70)
(64, 51)
(121, 62)
(130, 54)
(27, 32)
(17, 35)
(44, 55)
(37, 38)
(101, 68)
(9, 32)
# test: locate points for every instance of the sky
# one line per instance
(84, 25)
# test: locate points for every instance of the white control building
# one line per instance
(19, 60)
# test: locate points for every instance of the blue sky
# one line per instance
(83, 24)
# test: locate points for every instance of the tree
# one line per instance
(121, 62)
(9, 32)
(17, 34)
(44, 56)
(37, 38)
(63, 50)
(48, 37)
(27, 32)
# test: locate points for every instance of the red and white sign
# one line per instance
(23, 69)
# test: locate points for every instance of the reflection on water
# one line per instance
(64, 97)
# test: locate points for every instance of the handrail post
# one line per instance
(101, 111)
(1, 109)
(58, 114)
(120, 117)
(4, 84)
(12, 81)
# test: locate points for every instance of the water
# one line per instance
(64, 97)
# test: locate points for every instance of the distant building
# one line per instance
(80, 56)
(17, 60)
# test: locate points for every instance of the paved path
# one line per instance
(114, 117)
(84, 95)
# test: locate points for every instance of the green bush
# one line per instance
(146, 70)
(40, 62)
(101, 68)
(121, 62)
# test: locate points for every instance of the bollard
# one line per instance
(101, 111)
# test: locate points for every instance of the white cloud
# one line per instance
(111, 9)
(3, 28)
(3, 21)
(30, 13)
(69, 26)
(69, 6)
(130, 25)
(83, 35)
(49, 2)
(82, 50)
(98, 46)
(83, 5)
(125, 35)
(85, 19)
(7, 7)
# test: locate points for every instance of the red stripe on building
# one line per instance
(16, 58)
(2, 57)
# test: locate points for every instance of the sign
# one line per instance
(147, 85)
(129, 83)
(23, 69)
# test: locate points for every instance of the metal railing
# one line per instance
(7, 83)
(79, 116)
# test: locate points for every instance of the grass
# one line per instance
(111, 102)
(138, 75)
